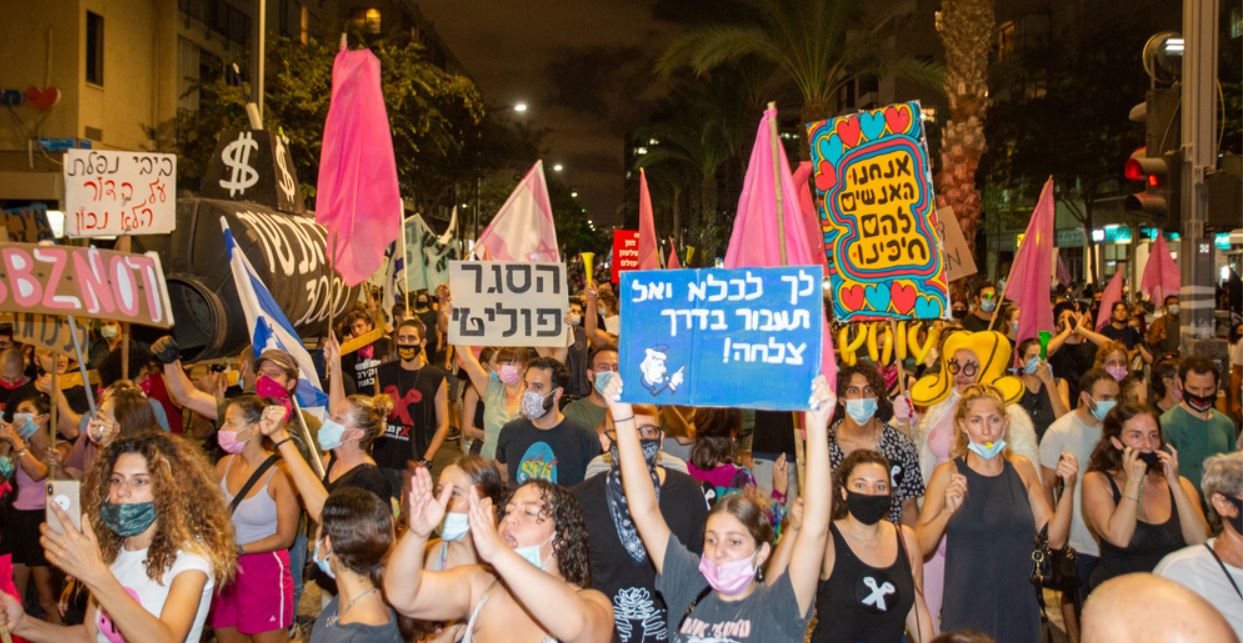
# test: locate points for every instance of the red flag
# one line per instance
(1161, 275)
(358, 199)
(649, 252)
(1111, 296)
(811, 220)
(1028, 284)
(755, 242)
(522, 229)
(673, 263)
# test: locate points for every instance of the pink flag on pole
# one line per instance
(649, 252)
(358, 199)
(755, 242)
(811, 218)
(522, 229)
(1111, 296)
(673, 263)
(1161, 275)
(1028, 284)
(1063, 273)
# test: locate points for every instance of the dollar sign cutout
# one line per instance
(286, 183)
(237, 156)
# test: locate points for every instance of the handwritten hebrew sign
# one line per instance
(86, 282)
(28, 224)
(46, 331)
(877, 209)
(959, 262)
(747, 337)
(112, 193)
(625, 252)
(508, 303)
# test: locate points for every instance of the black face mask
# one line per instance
(1151, 459)
(1237, 520)
(1200, 403)
(959, 313)
(867, 509)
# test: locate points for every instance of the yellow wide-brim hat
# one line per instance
(991, 348)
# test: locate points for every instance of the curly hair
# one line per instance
(571, 540)
(370, 414)
(884, 406)
(190, 510)
(1105, 457)
(1107, 349)
(842, 475)
(974, 393)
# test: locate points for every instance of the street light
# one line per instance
(520, 107)
(574, 195)
(557, 167)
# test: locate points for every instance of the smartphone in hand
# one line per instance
(65, 494)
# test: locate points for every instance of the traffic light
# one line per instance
(1160, 176)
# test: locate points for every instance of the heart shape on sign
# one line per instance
(852, 297)
(903, 297)
(928, 308)
(898, 117)
(873, 124)
(830, 148)
(878, 297)
(45, 98)
(826, 176)
(848, 129)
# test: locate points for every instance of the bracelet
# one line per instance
(625, 419)
(21, 453)
(1126, 497)
(278, 444)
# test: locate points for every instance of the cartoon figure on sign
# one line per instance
(655, 373)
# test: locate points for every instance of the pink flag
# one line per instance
(1161, 275)
(1028, 284)
(755, 242)
(673, 263)
(649, 252)
(811, 219)
(1063, 273)
(1111, 296)
(522, 229)
(8, 586)
(358, 198)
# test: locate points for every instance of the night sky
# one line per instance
(583, 68)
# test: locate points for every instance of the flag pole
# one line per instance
(405, 266)
(311, 446)
(799, 449)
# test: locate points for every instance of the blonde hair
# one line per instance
(370, 413)
(975, 393)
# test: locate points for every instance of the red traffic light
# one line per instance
(1156, 180)
(1132, 170)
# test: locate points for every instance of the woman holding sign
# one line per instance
(151, 547)
(741, 606)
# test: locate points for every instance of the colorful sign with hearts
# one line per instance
(878, 214)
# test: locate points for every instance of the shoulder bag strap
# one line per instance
(250, 482)
(1223, 569)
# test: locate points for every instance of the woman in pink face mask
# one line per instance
(743, 605)
(1113, 357)
(257, 604)
(501, 387)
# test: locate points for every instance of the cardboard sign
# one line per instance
(86, 282)
(959, 262)
(27, 225)
(46, 331)
(625, 251)
(877, 208)
(113, 193)
(508, 303)
(747, 337)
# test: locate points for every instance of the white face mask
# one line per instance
(531, 553)
(455, 526)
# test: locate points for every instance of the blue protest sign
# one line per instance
(746, 338)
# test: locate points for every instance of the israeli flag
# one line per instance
(269, 328)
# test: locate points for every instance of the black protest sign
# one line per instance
(255, 166)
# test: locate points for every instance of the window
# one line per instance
(304, 34)
(1005, 40)
(94, 48)
(367, 19)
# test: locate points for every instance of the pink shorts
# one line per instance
(260, 598)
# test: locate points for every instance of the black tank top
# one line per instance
(860, 603)
(1039, 408)
(1149, 544)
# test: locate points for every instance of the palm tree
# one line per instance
(966, 28)
(818, 45)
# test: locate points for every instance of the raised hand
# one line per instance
(1067, 467)
(102, 431)
(272, 423)
(426, 510)
(483, 531)
(74, 552)
(781, 474)
(822, 403)
(955, 492)
(332, 349)
(1169, 463)
(612, 397)
(1134, 467)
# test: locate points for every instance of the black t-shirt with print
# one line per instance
(638, 611)
(412, 424)
(362, 363)
(558, 455)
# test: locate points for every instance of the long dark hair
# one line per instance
(716, 433)
(571, 539)
(847, 467)
(484, 476)
(749, 513)
(361, 528)
(1105, 456)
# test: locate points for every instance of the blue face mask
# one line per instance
(531, 553)
(1030, 366)
(602, 380)
(1103, 407)
(988, 305)
(25, 424)
(861, 410)
(985, 451)
(330, 434)
(455, 526)
(322, 563)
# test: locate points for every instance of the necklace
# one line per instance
(341, 614)
(873, 542)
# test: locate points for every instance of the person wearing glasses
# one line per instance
(620, 567)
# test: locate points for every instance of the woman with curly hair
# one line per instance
(533, 584)
(156, 541)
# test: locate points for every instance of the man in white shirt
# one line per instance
(1078, 432)
(1215, 570)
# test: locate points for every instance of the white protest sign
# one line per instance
(508, 303)
(109, 193)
